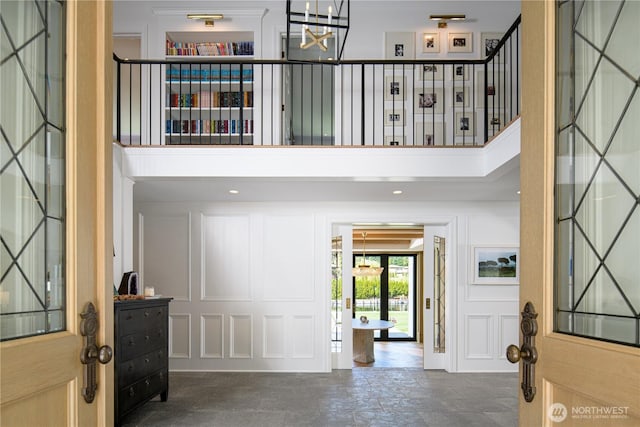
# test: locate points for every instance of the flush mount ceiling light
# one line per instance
(364, 269)
(442, 19)
(208, 18)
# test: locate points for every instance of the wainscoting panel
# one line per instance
(273, 345)
(302, 336)
(240, 336)
(225, 258)
(165, 254)
(288, 248)
(180, 336)
(212, 336)
(478, 337)
(508, 333)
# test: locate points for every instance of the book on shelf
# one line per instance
(211, 99)
(243, 48)
(208, 72)
(209, 127)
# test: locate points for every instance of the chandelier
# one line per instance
(364, 269)
(316, 28)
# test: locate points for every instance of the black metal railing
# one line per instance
(230, 101)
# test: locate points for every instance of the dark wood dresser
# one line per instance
(141, 353)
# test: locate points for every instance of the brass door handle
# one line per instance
(91, 353)
(527, 353)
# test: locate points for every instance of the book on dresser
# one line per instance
(140, 354)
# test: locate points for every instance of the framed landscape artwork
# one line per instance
(496, 265)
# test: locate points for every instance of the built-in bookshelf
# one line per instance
(209, 103)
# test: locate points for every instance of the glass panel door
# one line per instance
(390, 296)
(597, 239)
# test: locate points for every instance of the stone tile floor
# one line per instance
(364, 396)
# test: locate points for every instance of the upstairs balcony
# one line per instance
(231, 101)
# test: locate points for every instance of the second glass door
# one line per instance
(391, 296)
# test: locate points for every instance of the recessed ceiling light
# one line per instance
(233, 192)
(518, 192)
(397, 191)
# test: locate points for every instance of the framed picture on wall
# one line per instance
(465, 124)
(489, 41)
(461, 96)
(394, 140)
(460, 42)
(394, 117)
(429, 133)
(428, 100)
(496, 265)
(394, 88)
(461, 72)
(495, 84)
(430, 43)
(430, 72)
(399, 45)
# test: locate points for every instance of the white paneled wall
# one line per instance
(487, 313)
(251, 281)
(244, 286)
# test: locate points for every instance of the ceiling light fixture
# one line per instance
(234, 191)
(397, 191)
(442, 19)
(208, 18)
(332, 25)
(364, 269)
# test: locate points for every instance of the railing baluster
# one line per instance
(305, 116)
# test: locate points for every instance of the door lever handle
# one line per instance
(527, 353)
(90, 352)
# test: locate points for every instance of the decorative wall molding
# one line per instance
(273, 337)
(478, 327)
(179, 335)
(212, 336)
(240, 336)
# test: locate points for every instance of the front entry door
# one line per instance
(579, 253)
(42, 378)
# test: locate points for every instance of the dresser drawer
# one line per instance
(134, 369)
(130, 396)
(135, 320)
(140, 343)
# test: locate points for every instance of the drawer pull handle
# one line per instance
(161, 375)
(132, 341)
(146, 360)
(146, 337)
(159, 332)
(131, 391)
(129, 317)
(130, 368)
(146, 314)
(147, 382)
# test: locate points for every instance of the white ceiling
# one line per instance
(501, 185)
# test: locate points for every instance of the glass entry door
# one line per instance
(391, 296)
